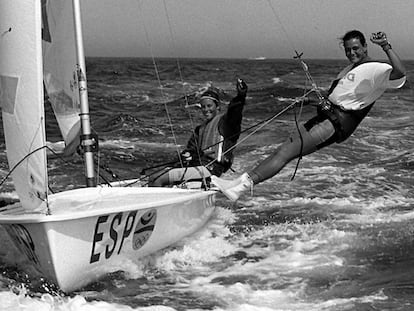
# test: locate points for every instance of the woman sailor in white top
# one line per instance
(348, 101)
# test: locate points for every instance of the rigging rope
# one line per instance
(182, 83)
(298, 55)
(263, 124)
(20, 162)
(323, 102)
(281, 25)
(172, 37)
(175, 49)
(159, 82)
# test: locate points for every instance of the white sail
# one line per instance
(59, 59)
(21, 98)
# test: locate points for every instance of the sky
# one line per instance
(241, 28)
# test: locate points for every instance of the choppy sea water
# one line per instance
(340, 236)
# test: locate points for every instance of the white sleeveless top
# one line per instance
(361, 86)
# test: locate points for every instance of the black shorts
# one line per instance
(345, 122)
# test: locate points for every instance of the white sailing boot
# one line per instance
(233, 188)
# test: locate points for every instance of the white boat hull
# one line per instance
(92, 230)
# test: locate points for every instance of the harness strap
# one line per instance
(344, 121)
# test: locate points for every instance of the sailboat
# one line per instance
(73, 237)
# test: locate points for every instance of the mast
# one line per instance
(88, 141)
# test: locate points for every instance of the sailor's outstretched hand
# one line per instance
(241, 88)
(379, 38)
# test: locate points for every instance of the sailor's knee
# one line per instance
(158, 180)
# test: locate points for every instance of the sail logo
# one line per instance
(111, 232)
(144, 229)
(23, 241)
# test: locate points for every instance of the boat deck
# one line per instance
(86, 202)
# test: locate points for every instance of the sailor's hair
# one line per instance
(354, 34)
(211, 94)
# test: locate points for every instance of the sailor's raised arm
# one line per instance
(398, 71)
(234, 112)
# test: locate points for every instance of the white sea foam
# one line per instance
(21, 302)
(276, 80)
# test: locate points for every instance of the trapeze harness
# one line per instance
(215, 147)
(344, 121)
